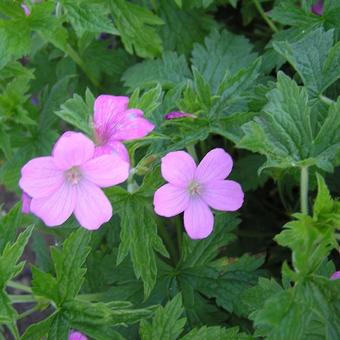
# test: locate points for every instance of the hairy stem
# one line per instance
(326, 100)
(21, 298)
(304, 190)
(264, 16)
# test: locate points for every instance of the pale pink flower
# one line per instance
(195, 189)
(75, 335)
(335, 276)
(26, 10)
(25, 203)
(69, 182)
(114, 123)
(178, 114)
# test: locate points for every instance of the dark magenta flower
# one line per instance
(178, 114)
(317, 8)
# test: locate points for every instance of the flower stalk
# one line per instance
(304, 190)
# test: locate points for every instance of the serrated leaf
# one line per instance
(39, 329)
(78, 112)
(59, 327)
(11, 254)
(135, 25)
(222, 53)
(44, 285)
(88, 17)
(314, 58)
(167, 323)
(284, 133)
(168, 71)
(69, 264)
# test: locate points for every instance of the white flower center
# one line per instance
(194, 188)
(73, 175)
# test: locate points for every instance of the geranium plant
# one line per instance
(169, 169)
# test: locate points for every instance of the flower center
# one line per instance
(194, 188)
(73, 175)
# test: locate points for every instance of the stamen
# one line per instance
(194, 188)
(73, 175)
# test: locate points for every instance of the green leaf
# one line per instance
(88, 17)
(167, 323)
(168, 71)
(319, 68)
(284, 133)
(69, 264)
(216, 332)
(38, 330)
(135, 25)
(59, 328)
(183, 27)
(10, 255)
(8, 314)
(222, 53)
(78, 112)
(309, 310)
(138, 236)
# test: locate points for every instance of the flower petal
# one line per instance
(75, 335)
(56, 208)
(92, 208)
(106, 170)
(72, 149)
(223, 195)
(106, 109)
(178, 168)
(40, 177)
(216, 164)
(132, 126)
(335, 276)
(113, 147)
(25, 203)
(198, 219)
(170, 200)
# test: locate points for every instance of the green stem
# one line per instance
(192, 151)
(91, 297)
(326, 100)
(179, 234)
(21, 298)
(304, 190)
(28, 312)
(76, 58)
(264, 16)
(19, 286)
(169, 243)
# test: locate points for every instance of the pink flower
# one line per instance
(335, 276)
(114, 122)
(193, 189)
(25, 203)
(26, 10)
(317, 8)
(176, 115)
(74, 335)
(69, 182)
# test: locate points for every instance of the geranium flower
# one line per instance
(69, 182)
(114, 123)
(26, 10)
(195, 189)
(74, 335)
(178, 114)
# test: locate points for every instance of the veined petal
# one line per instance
(223, 195)
(216, 164)
(178, 168)
(106, 170)
(72, 149)
(40, 177)
(131, 127)
(170, 200)
(113, 147)
(92, 208)
(198, 219)
(56, 208)
(107, 112)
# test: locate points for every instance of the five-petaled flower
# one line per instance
(195, 189)
(69, 182)
(114, 123)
